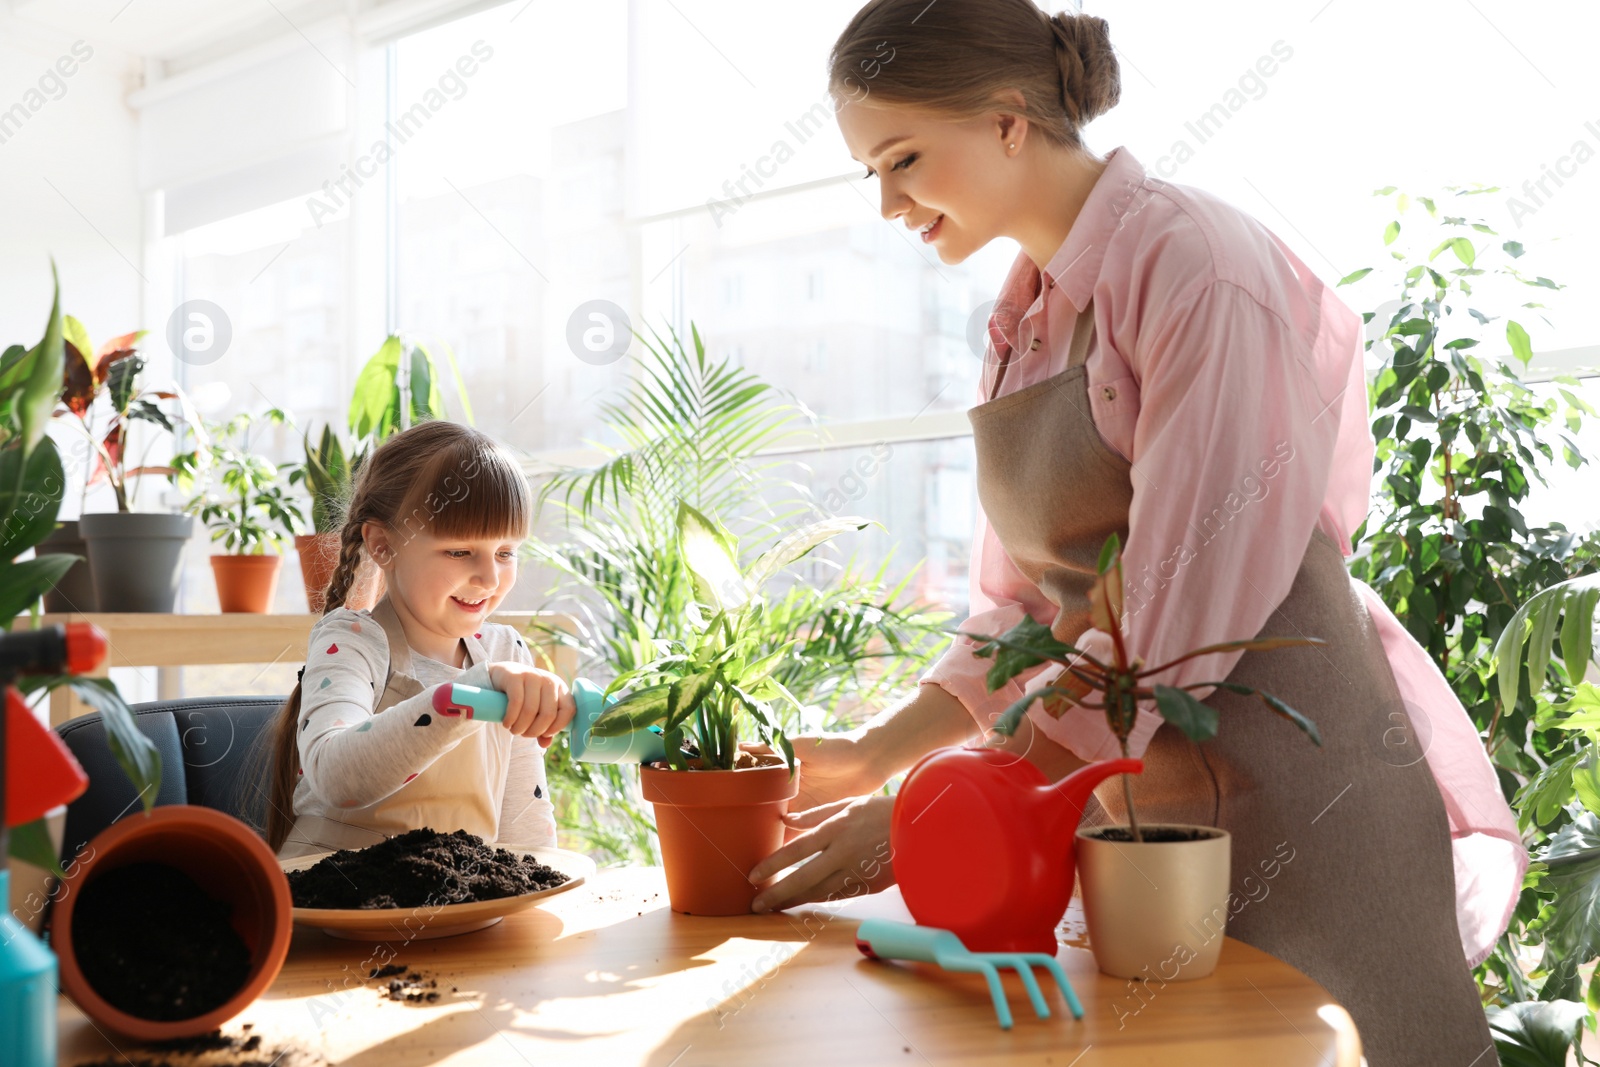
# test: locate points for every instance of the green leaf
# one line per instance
(1586, 779)
(795, 545)
(638, 710)
(685, 695)
(1197, 720)
(1025, 645)
(31, 843)
(712, 559)
(1536, 1033)
(73, 332)
(1464, 250)
(1577, 631)
(374, 402)
(30, 499)
(1513, 248)
(37, 401)
(1521, 346)
(1285, 711)
(1355, 276)
(21, 584)
(135, 753)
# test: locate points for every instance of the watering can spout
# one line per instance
(1075, 788)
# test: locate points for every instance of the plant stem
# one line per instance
(1127, 798)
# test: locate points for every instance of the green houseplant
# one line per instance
(692, 428)
(141, 552)
(328, 474)
(242, 498)
(717, 805)
(1128, 926)
(1462, 440)
(32, 483)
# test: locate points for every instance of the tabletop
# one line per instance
(607, 975)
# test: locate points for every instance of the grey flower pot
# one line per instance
(136, 558)
(75, 590)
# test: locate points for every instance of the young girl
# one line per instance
(359, 753)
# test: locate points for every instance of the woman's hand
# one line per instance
(833, 767)
(538, 703)
(849, 842)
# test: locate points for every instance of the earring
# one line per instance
(1011, 146)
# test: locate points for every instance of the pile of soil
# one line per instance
(419, 868)
(1152, 836)
(412, 987)
(154, 945)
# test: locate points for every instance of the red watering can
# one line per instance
(983, 845)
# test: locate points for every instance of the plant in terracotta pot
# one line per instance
(717, 803)
(243, 500)
(142, 551)
(1132, 925)
(328, 474)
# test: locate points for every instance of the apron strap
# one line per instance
(1082, 330)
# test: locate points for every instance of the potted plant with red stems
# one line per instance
(1132, 925)
(139, 552)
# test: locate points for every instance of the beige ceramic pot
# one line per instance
(1155, 909)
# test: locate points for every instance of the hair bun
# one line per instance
(1091, 80)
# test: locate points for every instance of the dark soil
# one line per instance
(151, 943)
(420, 868)
(413, 988)
(215, 1049)
(1153, 835)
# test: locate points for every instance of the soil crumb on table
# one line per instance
(153, 944)
(419, 868)
(413, 987)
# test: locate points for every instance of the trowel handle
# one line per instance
(470, 702)
(885, 939)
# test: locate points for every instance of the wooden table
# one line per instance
(606, 975)
(167, 641)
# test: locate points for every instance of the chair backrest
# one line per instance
(209, 756)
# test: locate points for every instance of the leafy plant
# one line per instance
(240, 496)
(721, 673)
(1120, 683)
(31, 487)
(397, 388)
(328, 474)
(696, 430)
(1461, 439)
(114, 371)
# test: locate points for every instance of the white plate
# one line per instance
(425, 922)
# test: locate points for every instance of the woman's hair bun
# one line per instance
(1091, 80)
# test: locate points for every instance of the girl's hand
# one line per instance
(538, 703)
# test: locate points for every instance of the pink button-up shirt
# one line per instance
(1231, 378)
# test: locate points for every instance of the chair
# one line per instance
(211, 755)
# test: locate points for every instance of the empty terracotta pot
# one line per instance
(714, 827)
(229, 863)
(246, 583)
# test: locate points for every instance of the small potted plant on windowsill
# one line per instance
(329, 474)
(717, 803)
(1131, 924)
(246, 506)
(140, 552)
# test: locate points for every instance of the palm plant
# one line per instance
(243, 500)
(696, 430)
(328, 474)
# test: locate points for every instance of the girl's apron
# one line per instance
(461, 790)
(1341, 855)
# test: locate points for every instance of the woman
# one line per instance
(1163, 368)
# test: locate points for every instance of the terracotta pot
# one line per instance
(246, 583)
(228, 861)
(1155, 909)
(714, 827)
(319, 555)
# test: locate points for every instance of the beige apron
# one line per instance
(1341, 855)
(461, 790)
